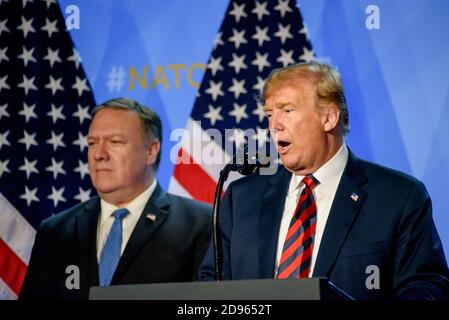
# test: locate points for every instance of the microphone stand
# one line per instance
(244, 166)
(216, 233)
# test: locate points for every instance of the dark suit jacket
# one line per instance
(168, 249)
(389, 226)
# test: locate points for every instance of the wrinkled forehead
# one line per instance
(116, 120)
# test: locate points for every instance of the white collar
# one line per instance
(136, 206)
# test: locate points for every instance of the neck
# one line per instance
(334, 144)
(331, 146)
(121, 198)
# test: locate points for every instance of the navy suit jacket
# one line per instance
(168, 249)
(390, 226)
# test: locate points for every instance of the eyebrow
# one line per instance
(107, 136)
(284, 104)
(278, 105)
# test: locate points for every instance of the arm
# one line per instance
(421, 271)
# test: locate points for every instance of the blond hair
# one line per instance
(325, 78)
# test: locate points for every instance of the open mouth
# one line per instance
(283, 146)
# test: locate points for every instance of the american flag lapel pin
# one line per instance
(151, 217)
(354, 197)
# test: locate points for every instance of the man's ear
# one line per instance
(331, 117)
(154, 148)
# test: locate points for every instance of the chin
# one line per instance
(289, 167)
(104, 188)
(288, 163)
(292, 166)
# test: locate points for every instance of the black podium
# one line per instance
(264, 289)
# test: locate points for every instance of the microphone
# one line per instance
(245, 163)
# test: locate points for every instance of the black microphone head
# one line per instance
(247, 163)
(247, 169)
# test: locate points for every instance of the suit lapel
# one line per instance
(86, 232)
(270, 219)
(345, 208)
(158, 207)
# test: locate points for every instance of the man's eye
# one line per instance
(116, 141)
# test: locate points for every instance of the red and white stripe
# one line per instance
(16, 241)
(199, 162)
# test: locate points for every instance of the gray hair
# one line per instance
(327, 80)
(151, 123)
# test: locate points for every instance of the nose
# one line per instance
(100, 152)
(275, 123)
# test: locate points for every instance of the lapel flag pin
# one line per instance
(151, 217)
(354, 197)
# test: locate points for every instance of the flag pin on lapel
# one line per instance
(354, 197)
(151, 217)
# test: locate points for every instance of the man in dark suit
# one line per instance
(133, 232)
(326, 213)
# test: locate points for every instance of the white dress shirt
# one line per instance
(135, 209)
(329, 176)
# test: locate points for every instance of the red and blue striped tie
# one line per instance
(298, 246)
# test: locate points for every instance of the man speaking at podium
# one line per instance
(326, 213)
(133, 232)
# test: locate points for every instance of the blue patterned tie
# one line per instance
(112, 249)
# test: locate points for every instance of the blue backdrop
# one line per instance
(395, 76)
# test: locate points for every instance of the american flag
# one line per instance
(45, 104)
(354, 197)
(255, 37)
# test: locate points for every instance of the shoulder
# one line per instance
(66, 217)
(389, 181)
(189, 205)
(189, 214)
(386, 175)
